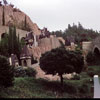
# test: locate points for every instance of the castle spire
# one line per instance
(5, 2)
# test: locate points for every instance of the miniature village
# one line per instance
(36, 43)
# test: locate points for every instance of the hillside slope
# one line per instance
(14, 16)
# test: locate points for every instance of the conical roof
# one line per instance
(30, 36)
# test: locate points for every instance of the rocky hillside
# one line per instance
(14, 16)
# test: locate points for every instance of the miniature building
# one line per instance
(70, 43)
(25, 57)
(69, 40)
(73, 46)
(44, 33)
(0, 3)
(14, 60)
(5, 2)
(87, 46)
(31, 39)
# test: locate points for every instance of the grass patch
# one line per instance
(38, 88)
(28, 87)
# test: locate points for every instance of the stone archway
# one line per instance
(96, 51)
(3, 35)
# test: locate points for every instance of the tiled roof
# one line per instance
(30, 36)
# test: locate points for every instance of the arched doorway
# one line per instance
(25, 63)
(96, 56)
(96, 52)
(3, 35)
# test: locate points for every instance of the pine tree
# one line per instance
(25, 22)
(3, 17)
(4, 46)
(11, 44)
(10, 41)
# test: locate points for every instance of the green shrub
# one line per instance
(19, 72)
(90, 69)
(76, 77)
(30, 72)
(84, 88)
(6, 72)
(70, 88)
(91, 73)
(23, 72)
(90, 58)
(98, 72)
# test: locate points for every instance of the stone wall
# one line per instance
(4, 29)
(87, 46)
(44, 45)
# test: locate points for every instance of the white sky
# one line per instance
(57, 14)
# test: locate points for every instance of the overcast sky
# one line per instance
(57, 14)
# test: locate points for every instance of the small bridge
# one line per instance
(93, 46)
(96, 45)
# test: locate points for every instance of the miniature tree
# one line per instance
(61, 61)
(3, 17)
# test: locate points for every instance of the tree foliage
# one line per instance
(4, 46)
(78, 32)
(11, 44)
(6, 72)
(3, 17)
(13, 41)
(93, 59)
(25, 25)
(61, 61)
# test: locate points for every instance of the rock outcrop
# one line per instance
(50, 77)
(14, 16)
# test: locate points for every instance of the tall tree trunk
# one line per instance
(61, 78)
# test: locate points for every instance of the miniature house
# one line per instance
(31, 39)
(25, 57)
(14, 60)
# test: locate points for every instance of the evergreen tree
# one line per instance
(61, 61)
(16, 46)
(11, 44)
(4, 46)
(10, 40)
(25, 21)
(3, 17)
